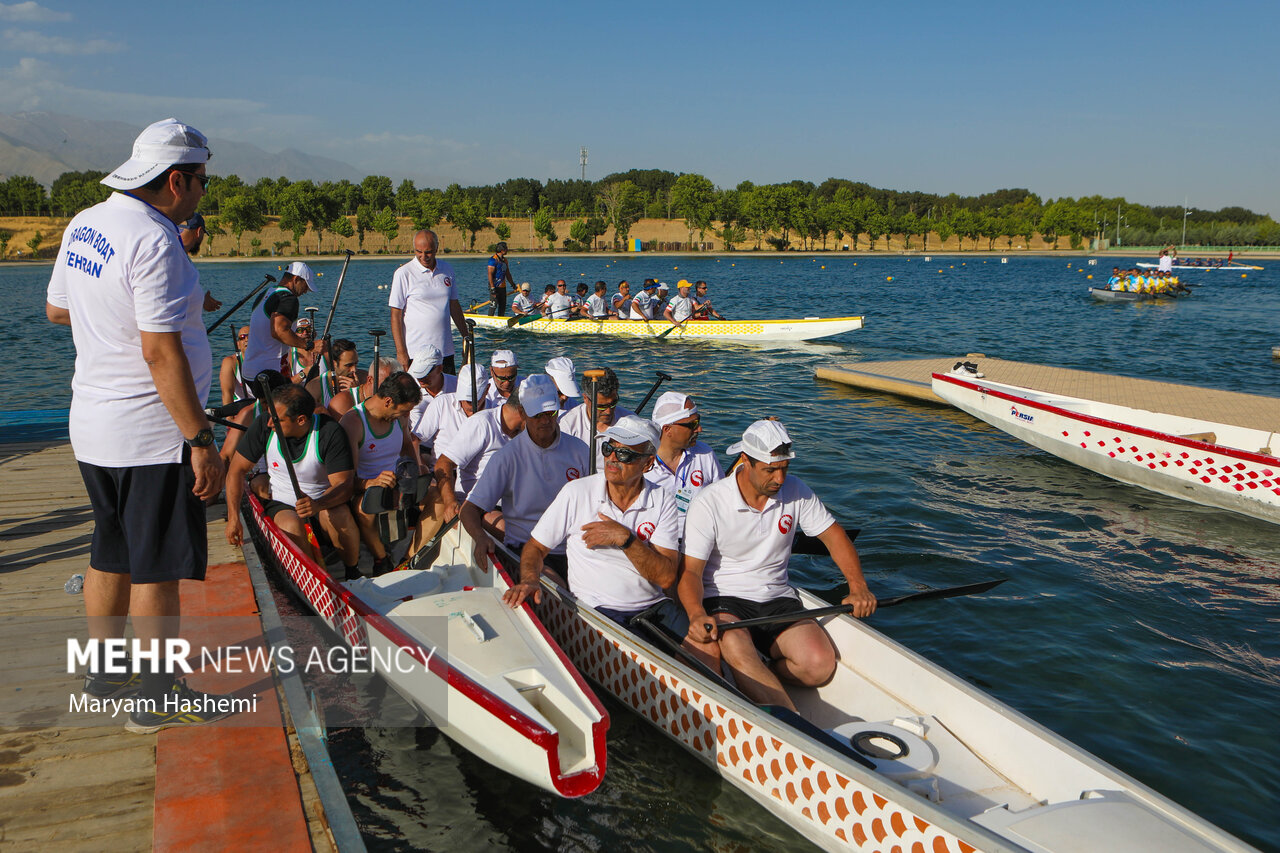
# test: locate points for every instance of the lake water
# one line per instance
(1139, 627)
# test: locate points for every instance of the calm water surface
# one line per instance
(1139, 627)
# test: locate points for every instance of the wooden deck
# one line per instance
(911, 378)
(80, 782)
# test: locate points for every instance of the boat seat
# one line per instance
(897, 747)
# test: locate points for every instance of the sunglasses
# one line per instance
(693, 424)
(203, 179)
(606, 407)
(242, 337)
(500, 378)
(624, 455)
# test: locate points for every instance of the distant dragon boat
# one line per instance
(758, 331)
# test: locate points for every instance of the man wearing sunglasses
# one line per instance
(738, 536)
(619, 533)
(525, 475)
(504, 376)
(683, 466)
(231, 373)
(604, 408)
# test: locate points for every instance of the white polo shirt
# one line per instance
(681, 308)
(472, 446)
(121, 270)
(526, 478)
(596, 306)
(747, 550)
(443, 418)
(605, 577)
(420, 411)
(522, 302)
(575, 422)
(642, 306)
(559, 306)
(424, 296)
(491, 395)
(698, 468)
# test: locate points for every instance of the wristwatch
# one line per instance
(631, 537)
(203, 438)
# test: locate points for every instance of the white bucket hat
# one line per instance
(562, 373)
(161, 145)
(670, 408)
(464, 382)
(765, 441)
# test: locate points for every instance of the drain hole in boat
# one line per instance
(880, 745)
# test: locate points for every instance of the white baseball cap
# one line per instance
(464, 382)
(632, 430)
(561, 372)
(671, 407)
(503, 358)
(161, 145)
(424, 361)
(765, 441)
(303, 272)
(538, 395)
(662, 286)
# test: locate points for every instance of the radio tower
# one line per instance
(582, 158)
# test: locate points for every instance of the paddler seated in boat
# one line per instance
(344, 375)
(562, 373)
(427, 366)
(345, 401)
(738, 537)
(462, 458)
(378, 431)
(604, 408)
(619, 533)
(300, 360)
(322, 461)
(547, 293)
(597, 307)
(702, 309)
(449, 411)
(621, 301)
(1113, 283)
(522, 304)
(245, 416)
(680, 308)
(683, 465)
(660, 302)
(642, 305)
(525, 474)
(271, 326)
(559, 305)
(578, 307)
(231, 372)
(504, 376)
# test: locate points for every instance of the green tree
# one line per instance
(213, 228)
(694, 199)
(25, 194)
(297, 210)
(623, 204)
(255, 247)
(5, 237)
(467, 215)
(34, 243)
(387, 224)
(580, 234)
(907, 225)
(364, 222)
(376, 191)
(878, 224)
(341, 226)
(1056, 219)
(242, 213)
(406, 198)
(731, 235)
(544, 226)
(943, 227)
(503, 231)
(72, 192)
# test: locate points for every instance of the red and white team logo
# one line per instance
(696, 478)
(372, 446)
(572, 473)
(275, 464)
(644, 531)
(785, 524)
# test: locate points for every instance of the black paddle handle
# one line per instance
(662, 377)
(265, 388)
(216, 323)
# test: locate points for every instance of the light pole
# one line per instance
(1185, 214)
(1117, 223)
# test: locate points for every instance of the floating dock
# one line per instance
(911, 378)
(79, 781)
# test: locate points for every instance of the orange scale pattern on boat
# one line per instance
(837, 806)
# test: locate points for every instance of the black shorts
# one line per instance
(147, 522)
(763, 635)
(272, 507)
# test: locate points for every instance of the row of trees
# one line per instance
(798, 214)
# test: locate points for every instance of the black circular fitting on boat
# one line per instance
(866, 743)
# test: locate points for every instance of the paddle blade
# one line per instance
(947, 592)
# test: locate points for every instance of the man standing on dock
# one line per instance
(424, 295)
(132, 297)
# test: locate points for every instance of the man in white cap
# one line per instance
(424, 296)
(504, 376)
(428, 370)
(680, 308)
(604, 408)
(525, 475)
(660, 301)
(146, 452)
(561, 371)
(271, 325)
(683, 466)
(619, 532)
(461, 459)
(738, 535)
(449, 411)
(522, 305)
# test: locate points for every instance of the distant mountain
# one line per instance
(44, 145)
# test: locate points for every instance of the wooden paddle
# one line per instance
(923, 595)
(474, 308)
(591, 378)
(668, 331)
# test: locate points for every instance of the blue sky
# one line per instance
(1150, 101)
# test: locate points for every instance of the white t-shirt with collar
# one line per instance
(420, 411)
(681, 308)
(746, 550)
(526, 478)
(605, 577)
(472, 446)
(424, 296)
(698, 468)
(559, 306)
(121, 270)
(441, 420)
(523, 303)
